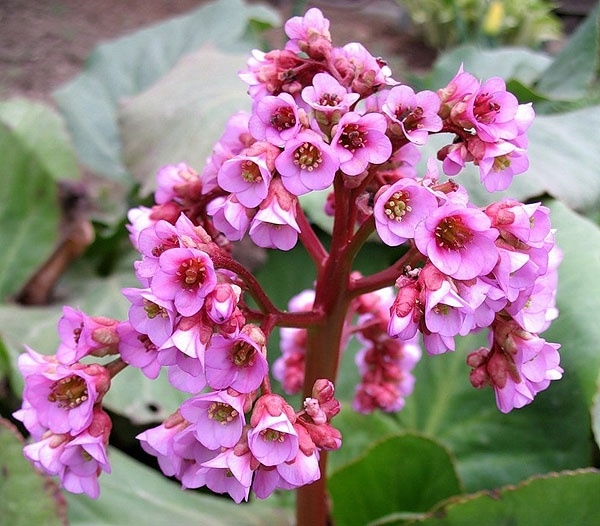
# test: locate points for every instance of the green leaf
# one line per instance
(131, 64)
(28, 210)
(406, 473)
(563, 498)
(134, 494)
(27, 497)
(182, 115)
(596, 416)
(42, 132)
(576, 70)
(577, 327)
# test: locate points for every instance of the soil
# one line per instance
(44, 43)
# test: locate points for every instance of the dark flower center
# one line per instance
(308, 157)
(452, 234)
(329, 99)
(353, 138)
(69, 392)
(192, 273)
(397, 206)
(485, 109)
(283, 118)
(251, 172)
(221, 412)
(243, 354)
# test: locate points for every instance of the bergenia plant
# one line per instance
(333, 120)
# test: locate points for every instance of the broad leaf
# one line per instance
(129, 65)
(27, 497)
(182, 115)
(42, 132)
(576, 70)
(28, 203)
(134, 494)
(563, 498)
(402, 474)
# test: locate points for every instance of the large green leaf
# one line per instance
(28, 197)
(182, 115)
(42, 132)
(576, 70)
(26, 496)
(134, 494)
(402, 474)
(129, 65)
(563, 498)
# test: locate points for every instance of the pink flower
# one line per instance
(230, 472)
(360, 140)
(458, 240)
(518, 366)
(247, 177)
(406, 311)
(272, 438)
(138, 350)
(173, 182)
(365, 73)
(328, 97)
(230, 216)
(308, 33)
(222, 302)
(150, 315)
(492, 110)
(236, 362)
(275, 225)
(159, 442)
(78, 460)
(185, 276)
(81, 335)
(416, 114)
(275, 119)
(307, 163)
(399, 208)
(217, 418)
(62, 396)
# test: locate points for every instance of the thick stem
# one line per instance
(323, 347)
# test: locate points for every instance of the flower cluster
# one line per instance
(329, 119)
(62, 411)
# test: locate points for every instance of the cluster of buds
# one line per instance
(331, 119)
